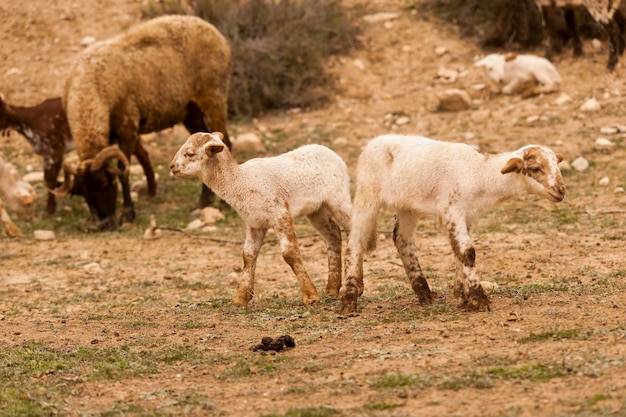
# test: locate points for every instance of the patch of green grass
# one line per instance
(396, 380)
(550, 335)
(307, 412)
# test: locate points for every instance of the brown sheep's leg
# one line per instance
(467, 287)
(331, 233)
(144, 160)
(51, 172)
(195, 121)
(405, 244)
(613, 31)
(286, 233)
(251, 248)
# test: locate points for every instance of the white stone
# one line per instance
(602, 144)
(248, 143)
(618, 190)
(195, 224)
(93, 268)
(402, 120)
(87, 40)
(564, 98)
(211, 215)
(440, 50)
(35, 176)
(380, 17)
(590, 105)
(609, 130)
(596, 43)
(340, 141)
(480, 116)
(604, 181)
(580, 164)
(359, 64)
(44, 235)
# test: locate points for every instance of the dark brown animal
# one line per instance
(46, 128)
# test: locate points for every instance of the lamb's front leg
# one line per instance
(251, 248)
(467, 287)
(405, 244)
(286, 233)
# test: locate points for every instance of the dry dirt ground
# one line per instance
(553, 344)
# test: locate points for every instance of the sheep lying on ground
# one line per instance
(611, 14)
(161, 72)
(521, 74)
(311, 181)
(414, 175)
(18, 195)
(46, 128)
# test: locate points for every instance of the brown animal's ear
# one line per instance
(213, 149)
(513, 165)
(219, 135)
(510, 57)
(559, 157)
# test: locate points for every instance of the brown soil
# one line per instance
(560, 268)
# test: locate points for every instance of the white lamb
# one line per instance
(521, 74)
(310, 181)
(414, 176)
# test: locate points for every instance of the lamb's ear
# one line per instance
(213, 149)
(559, 157)
(513, 165)
(510, 56)
(219, 135)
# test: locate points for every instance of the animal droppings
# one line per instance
(276, 345)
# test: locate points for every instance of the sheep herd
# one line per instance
(177, 69)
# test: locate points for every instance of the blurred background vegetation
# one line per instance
(279, 47)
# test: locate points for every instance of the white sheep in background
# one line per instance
(310, 181)
(18, 195)
(414, 175)
(521, 74)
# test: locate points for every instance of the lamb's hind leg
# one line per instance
(251, 248)
(405, 243)
(467, 287)
(331, 233)
(286, 233)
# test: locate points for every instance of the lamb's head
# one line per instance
(539, 167)
(195, 152)
(22, 200)
(494, 65)
(96, 180)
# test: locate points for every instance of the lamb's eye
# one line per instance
(535, 170)
(189, 154)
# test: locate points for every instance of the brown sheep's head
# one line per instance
(96, 180)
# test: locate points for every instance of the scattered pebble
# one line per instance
(211, 215)
(380, 17)
(580, 164)
(591, 105)
(604, 144)
(604, 181)
(454, 99)
(248, 143)
(195, 224)
(93, 268)
(44, 235)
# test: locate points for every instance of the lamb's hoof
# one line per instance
(332, 292)
(311, 302)
(476, 299)
(348, 303)
(425, 299)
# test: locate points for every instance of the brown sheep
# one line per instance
(161, 72)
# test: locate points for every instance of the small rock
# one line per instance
(580, 164)
(87, 40)
(195, 224)
(480, 116)
(603, 144)
(93, 268)
(596, 43)
(380, 17)
(609, 130)
(440, 50)
(618, 190)
(35, 176)
(604, 181)
(44, 235)
(447, 75)
(402, 120)
(211, 215)
(359, 64)
(562, 99)
(454, 99)
(591, 105)
(248, 142)
(564, 166)
(340, 141)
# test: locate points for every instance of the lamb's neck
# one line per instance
(223, 176)
(501, 187)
